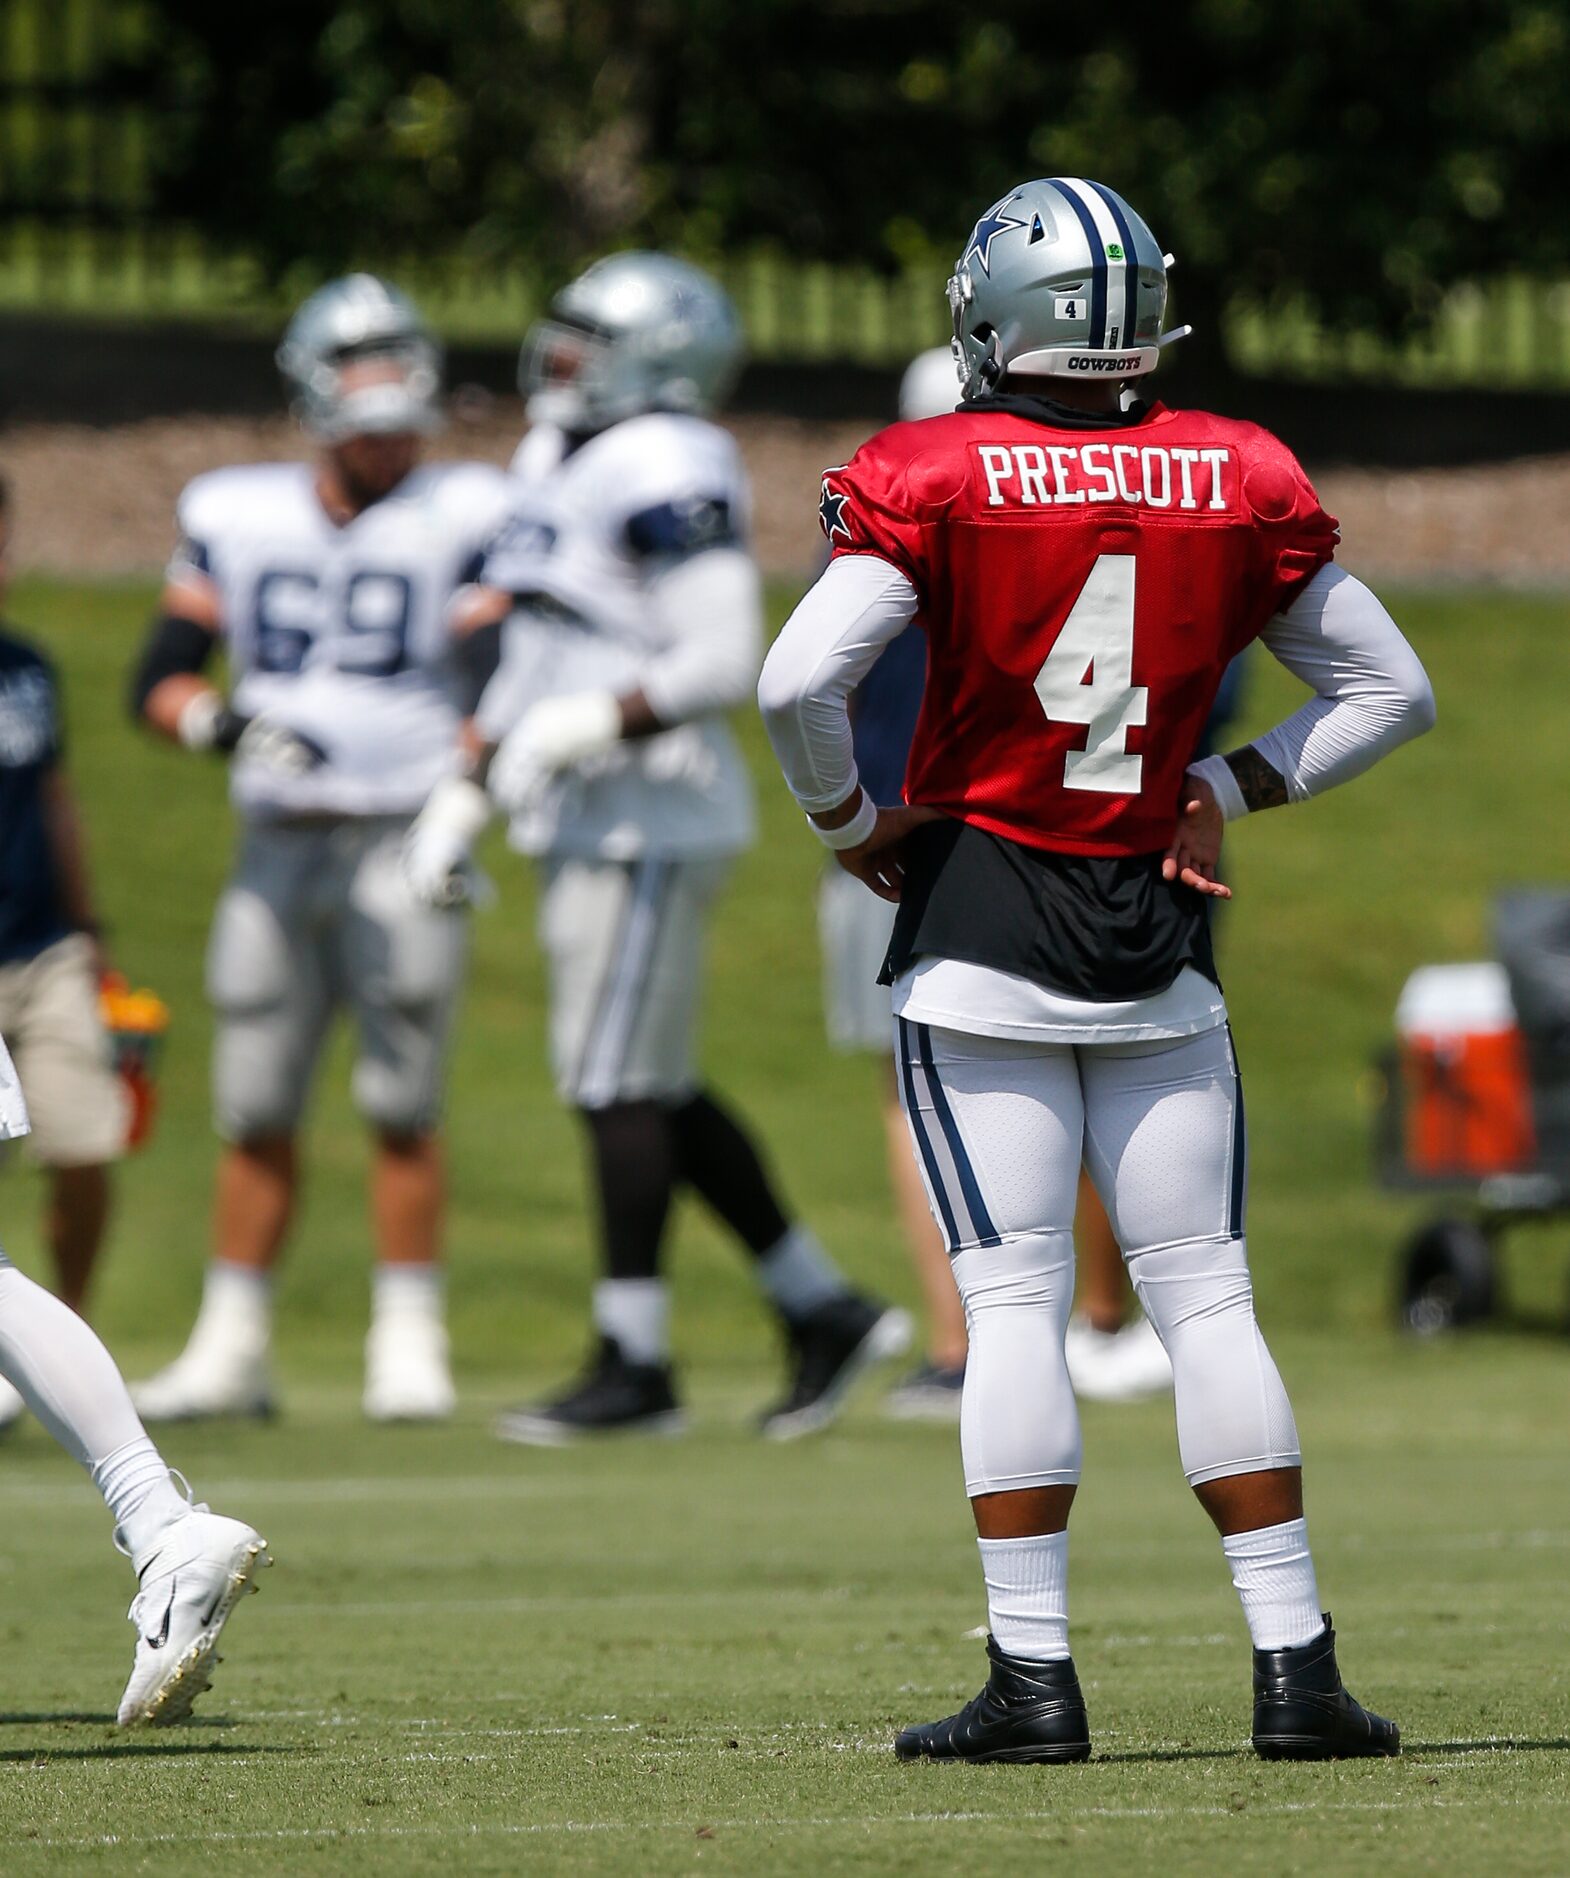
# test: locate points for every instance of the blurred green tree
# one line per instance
(1360, 157)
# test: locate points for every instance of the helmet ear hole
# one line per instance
(991, 369)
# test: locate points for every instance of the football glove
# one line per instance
(551, 736)
(208, 723)
(436, 850)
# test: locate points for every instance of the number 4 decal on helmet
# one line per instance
(1087, 678)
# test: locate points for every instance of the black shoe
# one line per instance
(1302, 1713)
(612, 1396)
(929, 1393)
(1027, 1712)
(829, 1350)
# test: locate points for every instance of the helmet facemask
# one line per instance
(377, 390)
(361, 363)
(564, 373)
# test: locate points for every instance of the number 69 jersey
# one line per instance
(341, 633)
(1083, 590)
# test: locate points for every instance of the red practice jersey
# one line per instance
(1082, 591)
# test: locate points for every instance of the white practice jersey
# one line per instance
(13, 1110)
(341, 633)
(593, 531)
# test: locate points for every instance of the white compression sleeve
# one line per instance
(711, 609)
(827, 646)
(1372, 693)
(63, 1373)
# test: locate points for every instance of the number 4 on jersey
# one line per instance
(1088, 679)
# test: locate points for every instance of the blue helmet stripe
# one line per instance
(1098, 265)
(1131, 275)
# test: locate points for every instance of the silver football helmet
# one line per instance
(1060, 279)
(634, 332)
(361, 361)
(930, 387)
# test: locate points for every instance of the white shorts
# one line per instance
(624, 941)
(854, 927)
(317, 916)
(49, 1011)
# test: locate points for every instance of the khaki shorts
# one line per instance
(625, 944)
(49, 1017)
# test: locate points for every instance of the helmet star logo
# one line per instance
(994, 223)
(831, 512)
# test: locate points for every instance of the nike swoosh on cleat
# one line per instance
(158, 1642)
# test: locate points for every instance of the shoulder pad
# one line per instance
(236, 498)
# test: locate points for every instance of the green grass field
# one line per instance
(661, 1657)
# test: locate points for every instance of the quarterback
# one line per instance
(635, 624)
(337, 590)
(192, 1565)
(1084, 566)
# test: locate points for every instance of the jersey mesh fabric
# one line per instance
(1003, 524)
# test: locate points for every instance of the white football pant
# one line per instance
(1000, 1129)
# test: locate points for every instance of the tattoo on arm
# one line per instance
(1263, 786)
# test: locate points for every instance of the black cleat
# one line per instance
(1302, 1713)
(829, 1350)
(1027, 1712)
(611, 1397)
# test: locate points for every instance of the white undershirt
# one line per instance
(954, 994)
(1370, 695)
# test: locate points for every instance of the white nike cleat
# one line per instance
(12, 1407)
(407, 1374)
(1117, 1365)
(208, 1381)
(190, 1586)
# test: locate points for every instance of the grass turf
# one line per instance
(511, 1660)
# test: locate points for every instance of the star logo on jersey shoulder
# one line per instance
(995, 222)
(831, 510)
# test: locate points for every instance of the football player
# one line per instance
(192, 1565)
(337, 591)
(1084, 572)
(636, 624)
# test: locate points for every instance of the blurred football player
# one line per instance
(1084, 572)
(192, 1565)
(636, 624)
(337, 590)
(854, 927)
(51, 960)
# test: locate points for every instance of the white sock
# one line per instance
(1027, 1594)
(1273, 1571)
(135, 1483)
(69, 1380)
(799, 1275)
(237, 1306)
(635, 1314)
(417, 1289)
